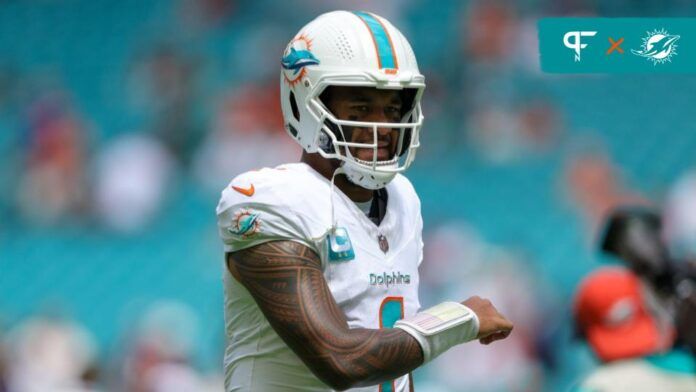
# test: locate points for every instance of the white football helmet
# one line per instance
(344, 48)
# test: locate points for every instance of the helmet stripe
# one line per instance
(386, 55)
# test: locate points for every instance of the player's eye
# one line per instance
(393, 111)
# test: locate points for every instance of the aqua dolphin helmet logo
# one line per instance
(297, 59)
(297, 56)
(659, 47)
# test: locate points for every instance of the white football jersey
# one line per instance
(372, 270)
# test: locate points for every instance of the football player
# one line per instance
(322, 256)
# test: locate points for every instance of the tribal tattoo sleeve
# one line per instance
(286, 280)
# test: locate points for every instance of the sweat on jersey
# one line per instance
(372, 271)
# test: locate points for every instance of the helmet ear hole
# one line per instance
(325, 139)
(293, 106)
(325, 142)
(408, 98)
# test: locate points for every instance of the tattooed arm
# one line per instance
(286, 280)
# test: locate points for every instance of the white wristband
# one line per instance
(438, 328)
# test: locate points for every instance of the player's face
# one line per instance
(368, 104)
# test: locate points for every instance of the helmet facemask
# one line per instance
(375, 170)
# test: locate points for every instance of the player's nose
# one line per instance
(383, 118)
(383, 131)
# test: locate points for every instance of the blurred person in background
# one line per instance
(248, 124)
(679, 236)
(160, 355)
(635, 235)
(595, 186)
(505, 135)
(632, 335)
(680, 218)
(133, 175)
(51, 354)
(507, 116)
(321, 285)
(52, 188)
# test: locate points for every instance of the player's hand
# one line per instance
(492, 325)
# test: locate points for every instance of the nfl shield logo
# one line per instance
(383, 243)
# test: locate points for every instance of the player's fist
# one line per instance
(492, 325)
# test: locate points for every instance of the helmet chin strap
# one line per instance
(366, 180)
(334, 224)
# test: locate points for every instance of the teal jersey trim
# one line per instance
(390, 311)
